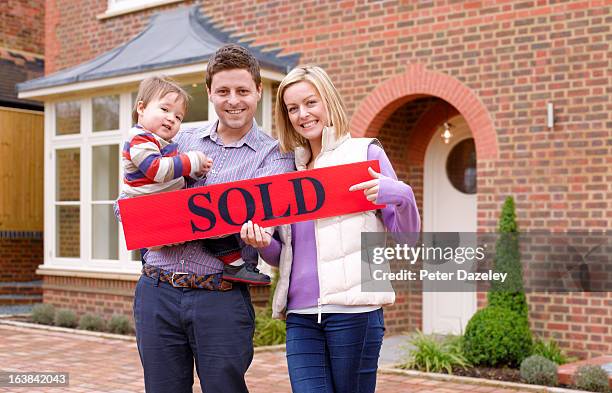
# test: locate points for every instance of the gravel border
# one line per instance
(476, 381)
(58, 329)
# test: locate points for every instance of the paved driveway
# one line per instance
(110, 365)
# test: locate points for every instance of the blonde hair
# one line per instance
(288, 137)
(156, 87)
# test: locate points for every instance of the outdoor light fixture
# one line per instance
(550, 117)
(447, 134)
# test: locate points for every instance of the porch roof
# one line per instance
(178, 37)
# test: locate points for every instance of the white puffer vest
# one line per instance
(338, 239)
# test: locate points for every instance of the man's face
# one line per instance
(234, 96)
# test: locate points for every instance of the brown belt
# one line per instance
(211, 282)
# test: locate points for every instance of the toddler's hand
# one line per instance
(205, 164)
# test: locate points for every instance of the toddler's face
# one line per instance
(162, 116)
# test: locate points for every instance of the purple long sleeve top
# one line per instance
(399, 215)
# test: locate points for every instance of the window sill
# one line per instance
(88, 273)
(111, 13)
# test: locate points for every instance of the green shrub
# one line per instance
(510, 293)
(435, 355)
(43, 314)
(550, 350)
(537, 370)
(65, 318)
(119, 324)
(497, 336)
(592, 378)
(268, 331)
(91, 322)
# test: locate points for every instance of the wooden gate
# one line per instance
(21, 170)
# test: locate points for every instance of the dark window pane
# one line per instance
(461, 166)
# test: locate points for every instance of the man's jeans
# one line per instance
(174, 326)
(339, 355)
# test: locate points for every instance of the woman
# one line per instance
(334, 330)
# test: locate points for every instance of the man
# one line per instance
(212, 322)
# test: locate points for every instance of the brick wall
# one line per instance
(89, 295)
(20, 255)
(21, 48)
(512, 56)
(580, 322)
(104, 297)
(22, 25)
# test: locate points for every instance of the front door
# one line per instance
(450, 206)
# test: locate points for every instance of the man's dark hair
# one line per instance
(232, 57)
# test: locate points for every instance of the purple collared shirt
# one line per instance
(255, 155)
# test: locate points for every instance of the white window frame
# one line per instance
(120, 7)
(85, 141)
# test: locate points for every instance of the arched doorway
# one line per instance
(450, 205)
(447, 96)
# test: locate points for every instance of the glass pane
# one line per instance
(67, 231)
(67, 118)
(105, 113)
(133, 102)
(198, 106)
(259, 114)
(461, 166)
(105, 172)
(136, 255)
(105, 232)
(68, 174)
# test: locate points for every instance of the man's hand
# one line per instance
(370, 187)
(254, 235)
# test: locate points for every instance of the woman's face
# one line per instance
(306, 111)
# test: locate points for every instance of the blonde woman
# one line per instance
(334, 330)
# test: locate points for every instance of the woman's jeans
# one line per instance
(339, 355)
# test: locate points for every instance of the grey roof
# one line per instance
(177, 37)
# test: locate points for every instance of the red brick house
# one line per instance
(404, 68)
(21, 148)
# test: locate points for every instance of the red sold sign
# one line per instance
(221, 209)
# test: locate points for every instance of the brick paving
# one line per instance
(109, 365)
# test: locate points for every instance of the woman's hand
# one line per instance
(254, 235)
(370, 187)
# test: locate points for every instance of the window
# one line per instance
(84, 181)
(67, 202)
(83, 176)
(105, 190)
(118, 7)
(198, 106)
(461, 166)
